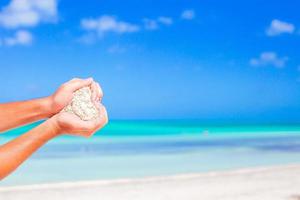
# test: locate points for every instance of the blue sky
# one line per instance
(209, 60)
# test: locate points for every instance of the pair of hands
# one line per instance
(70, 123)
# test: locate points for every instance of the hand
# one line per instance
(71, 124)
(64, 93)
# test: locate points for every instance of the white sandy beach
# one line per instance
(269, 183)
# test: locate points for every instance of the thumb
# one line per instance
(79, 83)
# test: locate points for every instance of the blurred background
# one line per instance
(186, 83)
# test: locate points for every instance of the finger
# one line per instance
(74, 85)
(97, 104)
(94, 91)
(74, 79)
(100, 92)
(102, 119)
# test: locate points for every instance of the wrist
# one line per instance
(56, 129)
(47, 106)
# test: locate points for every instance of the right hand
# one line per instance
(71, 124)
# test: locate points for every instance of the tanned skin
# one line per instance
(15, 152)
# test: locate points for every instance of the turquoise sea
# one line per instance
(129, 149)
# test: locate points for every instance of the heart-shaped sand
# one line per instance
(82, 105)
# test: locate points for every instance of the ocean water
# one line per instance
(130, 149)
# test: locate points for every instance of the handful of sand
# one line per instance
(82, 105)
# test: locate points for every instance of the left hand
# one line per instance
(64, 93)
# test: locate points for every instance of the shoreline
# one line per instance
(274, 182)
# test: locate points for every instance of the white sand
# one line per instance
(270, 183)
(82, 105)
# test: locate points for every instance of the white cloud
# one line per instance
(153, 24)
(108, 23)
(188, 14)
(269, 59)
(97, 27)
(21, 37)
(28, 13)
(278, 27)
(165, 20)
(150, 24)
